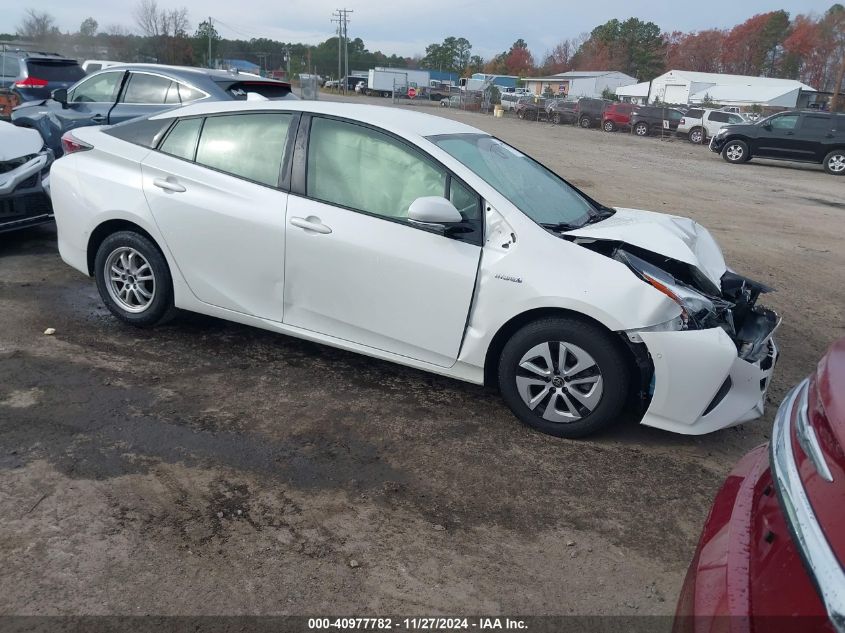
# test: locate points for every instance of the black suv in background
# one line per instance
(560, 111)
(647, 120)
(531, 108)
(590, 111)
(805, 136)
(34, 75)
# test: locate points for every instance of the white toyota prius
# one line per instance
(422, 241)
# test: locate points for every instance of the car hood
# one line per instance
(673, 236)
(16, 142)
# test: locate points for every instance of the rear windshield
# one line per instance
(58, 70)
(239, 89)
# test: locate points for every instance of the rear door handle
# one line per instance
(168, 185)
(311, 223)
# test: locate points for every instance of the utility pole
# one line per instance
(210, 27)
(341, 16)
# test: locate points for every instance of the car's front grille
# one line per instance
(23, 206)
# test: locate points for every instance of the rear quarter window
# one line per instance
(144, 132)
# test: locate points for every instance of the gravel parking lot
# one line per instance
(208, 468)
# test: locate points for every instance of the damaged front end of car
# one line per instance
(24, 178)
(710, 367)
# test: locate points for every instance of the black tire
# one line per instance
(834, 162)
(160, 308)
(736, 152)
(697, 135)
(641, 129)
(585, 122)
(609, 361)
(520, 114)
(609, 126)
(556, 118)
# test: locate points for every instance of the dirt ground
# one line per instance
(209, 468)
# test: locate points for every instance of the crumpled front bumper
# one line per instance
(700, 382)
(25, 193)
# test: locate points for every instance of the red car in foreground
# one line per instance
(771, 555)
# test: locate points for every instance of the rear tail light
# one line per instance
(71, 144)
(31, 82)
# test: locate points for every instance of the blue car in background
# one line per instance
(120, 93)
(34, 75)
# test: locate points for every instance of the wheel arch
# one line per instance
(500, 338)
(109, 227)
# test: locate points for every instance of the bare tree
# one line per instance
(38, 26)
(166, 29)
(146, 16)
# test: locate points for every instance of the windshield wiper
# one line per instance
(601, 214)
(560, 226)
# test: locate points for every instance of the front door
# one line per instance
(213, 189)
(777, 138)
(356, 268)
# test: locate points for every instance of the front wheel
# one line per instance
(609, 126)
(520, 114)
(735, 152)
(564, 377)
(133, 279)
(585, 122)
(834, 162)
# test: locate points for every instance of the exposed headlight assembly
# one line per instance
(697, 309)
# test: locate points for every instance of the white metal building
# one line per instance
(635, 93)
(684, 86)
(577, 83)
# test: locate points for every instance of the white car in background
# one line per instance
(701, 124)
(419, 240)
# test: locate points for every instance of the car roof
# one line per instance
(398, 120)
(188, 72)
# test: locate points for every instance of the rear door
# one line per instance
(355, 267)
(814, 131)
(147, 93)
(217, 190)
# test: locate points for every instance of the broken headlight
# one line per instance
(697, 309)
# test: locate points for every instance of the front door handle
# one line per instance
(98, 118)
(311, 223)
(168, 185)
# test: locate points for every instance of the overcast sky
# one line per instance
(397, 26)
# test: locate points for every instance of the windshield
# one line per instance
(537, 192)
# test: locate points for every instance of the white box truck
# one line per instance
(383, 81)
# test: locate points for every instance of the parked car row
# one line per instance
(803, 136)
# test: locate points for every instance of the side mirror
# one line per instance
(59, 95)
(433, 211)
(767, 126)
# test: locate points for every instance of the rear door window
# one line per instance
(250, 146)
(98, 88)
(816, 124)
(146, 89)
(719, 117)
(182, 139)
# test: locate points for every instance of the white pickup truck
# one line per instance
(700, 124)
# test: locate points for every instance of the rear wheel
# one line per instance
(834, 162)
(556, 118)
(609, 126)
(564, 377)
(134, 280)
(736, 152)
(641, 129)
(696, 136)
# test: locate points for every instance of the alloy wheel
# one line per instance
(734, 152)
(696, 136)
(560, 379)
(608, 126)
(836, 163)
(129, 279)
(641, 129)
